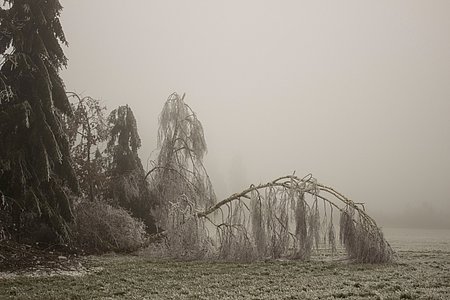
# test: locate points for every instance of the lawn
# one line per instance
(415, 275)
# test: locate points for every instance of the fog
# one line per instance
(355, 92)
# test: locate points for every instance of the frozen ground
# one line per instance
(422, 271)
(403, 239)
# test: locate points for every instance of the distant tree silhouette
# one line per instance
(35, 165)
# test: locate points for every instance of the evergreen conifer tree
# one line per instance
(36, 170)
(128, 186)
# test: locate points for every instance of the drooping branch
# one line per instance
(295, 183)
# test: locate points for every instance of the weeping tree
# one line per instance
(88, 130)
(127, 185)
(285, 218)
(36, 170)
(178, 176)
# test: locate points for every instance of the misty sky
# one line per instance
(355, 92)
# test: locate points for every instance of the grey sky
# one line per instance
(355, 92)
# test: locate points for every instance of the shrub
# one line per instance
(101, 227)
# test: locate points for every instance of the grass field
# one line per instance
(417, 274)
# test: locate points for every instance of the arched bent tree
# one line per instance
(287, 217)
(35, 165)
(282, 218)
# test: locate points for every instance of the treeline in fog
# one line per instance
(70, 172)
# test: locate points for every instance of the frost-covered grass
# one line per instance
(417, 275)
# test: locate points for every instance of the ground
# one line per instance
(420, 274)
